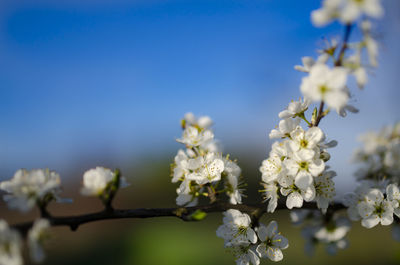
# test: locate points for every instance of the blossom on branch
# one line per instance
(201, 168)
(326, 84)
(236, 229)
(97, 180)
(31, 187)
(248, 244)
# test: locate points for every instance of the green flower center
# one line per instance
(303, 143)
(323, 89)
(379, 210)
(303, 165)
(242, 230)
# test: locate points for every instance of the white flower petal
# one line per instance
(294, 200)
(274, 254)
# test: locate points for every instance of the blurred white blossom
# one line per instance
(10, 245)
(31, 187)
(37, 236)
(326, 84)
(347, 11)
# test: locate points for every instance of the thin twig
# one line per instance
(338, 62)
(183, 213)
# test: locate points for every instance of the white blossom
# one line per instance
(326, 13)
(180, 167)
(295, 108)
(330, 232)
(351, 200)
(96, 180)
(245, 254)
(326, 84)
(236, 228)
(197, 133)
(304, 166)
(272, 169)
(280, 150)
(380, 154)
(202, 163)
(285, 127)
(334, 236)
(295, 195)
(193, 136)
(353, 9)
(29, 187)
(271, 194)
(361, 76)
(334, 232)
(272, 242)
(347, 11)
(325, 190)
(375, 209)
(37, 236)
(10, 245)
(308, 62)
(186, 196)
(393, 195)
(308, 140)
(203, 122)
(353, 63)
(206, 169)
(233, 172)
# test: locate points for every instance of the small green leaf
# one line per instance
(198, 215)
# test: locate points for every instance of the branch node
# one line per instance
(74, 227)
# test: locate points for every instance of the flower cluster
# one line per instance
(319, 230)
(327, 79)
(346, 11)
(380, 154)
(250, 244)
(296, 165)
(201, 169)
(376, 199)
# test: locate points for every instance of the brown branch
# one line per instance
(346, 37)
(184, 213)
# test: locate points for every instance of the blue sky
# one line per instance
(109, 80)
